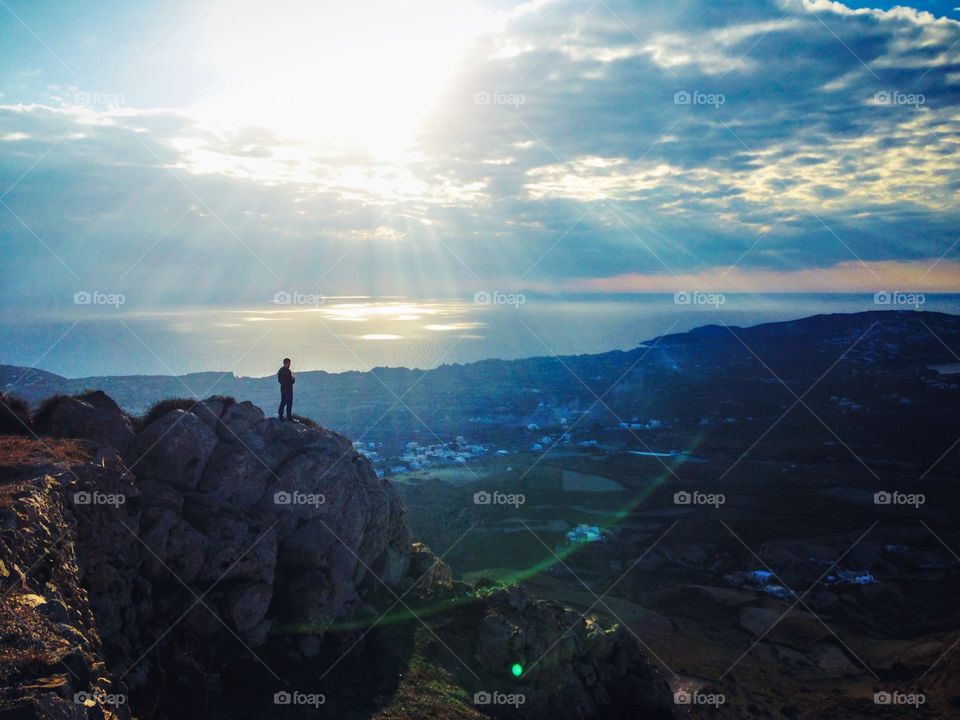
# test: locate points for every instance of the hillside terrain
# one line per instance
(766, 513)
(701, 387)
(204, 561)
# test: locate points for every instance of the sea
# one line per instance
(107, 337)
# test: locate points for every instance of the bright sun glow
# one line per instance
(338, 75)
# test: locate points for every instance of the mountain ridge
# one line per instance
(694, 333)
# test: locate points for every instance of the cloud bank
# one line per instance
(608, 147)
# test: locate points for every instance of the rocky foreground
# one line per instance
(149, 566)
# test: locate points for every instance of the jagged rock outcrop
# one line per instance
(273, 526)
(273, 519)
(430, 575)
(71, 598)
(573, 667)
(175, 449)
(104, 501)
(130, 571)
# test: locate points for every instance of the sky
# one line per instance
(216, 154)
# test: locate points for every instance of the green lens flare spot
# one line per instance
(517, 669)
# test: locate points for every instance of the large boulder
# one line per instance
(311, 599)
(92, 416)
(175, 449)
(246, 605)
(211, 410)
(269, 532)
(177, 549)
(237, 420)
(235, 476)
(283, 523)
(237, 549)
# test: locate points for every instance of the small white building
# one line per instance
(585, 533)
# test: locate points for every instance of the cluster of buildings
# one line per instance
(548, 441)
(417, 456)
(634, 424)
(459, 451)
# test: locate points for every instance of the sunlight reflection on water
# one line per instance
(339, 334)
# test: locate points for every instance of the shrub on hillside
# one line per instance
(225, 399)
(14, 415)
(159, 409)
(41, 418)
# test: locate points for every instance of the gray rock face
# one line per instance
(62, 597)
(237, 524)
(237, 420)
(268, 523)
(246, 605)
(574, 668)
(249, 476)
(277, 521)
(237, 550)
(93, 416)
(175, 449)
(211, 410)
(177, 547)
(103, 500)
(431, 575)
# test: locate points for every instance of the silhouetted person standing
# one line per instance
(286, 380)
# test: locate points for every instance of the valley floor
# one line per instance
(793, 595)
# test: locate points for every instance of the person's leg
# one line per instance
(283, 401)
(290, 404)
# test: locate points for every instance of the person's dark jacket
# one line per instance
(285, 378)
